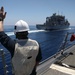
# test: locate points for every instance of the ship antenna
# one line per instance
(61, 13)
(58, 12)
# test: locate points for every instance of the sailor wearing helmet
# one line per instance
(25, 52)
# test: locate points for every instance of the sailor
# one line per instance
(25, 52)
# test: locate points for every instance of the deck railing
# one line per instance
(66, 42)
(3, 61)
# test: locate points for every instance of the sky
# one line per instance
(35, 11)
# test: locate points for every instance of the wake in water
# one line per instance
(31, 31)
(34, 31)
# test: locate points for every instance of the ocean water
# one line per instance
(49, 42)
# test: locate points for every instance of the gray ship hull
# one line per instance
(54, 27)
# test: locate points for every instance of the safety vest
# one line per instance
(24, 58)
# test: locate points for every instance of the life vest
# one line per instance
(24, 58)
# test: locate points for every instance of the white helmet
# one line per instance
(21, 26)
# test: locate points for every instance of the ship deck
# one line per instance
(60, 65)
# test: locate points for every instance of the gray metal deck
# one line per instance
(61, 65)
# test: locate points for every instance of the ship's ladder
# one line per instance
(65, 44)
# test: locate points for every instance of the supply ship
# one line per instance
(54, 22)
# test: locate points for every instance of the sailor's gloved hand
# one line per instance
(2, 14)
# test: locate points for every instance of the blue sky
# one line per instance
(35, 11)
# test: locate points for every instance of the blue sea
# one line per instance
(49, 41)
